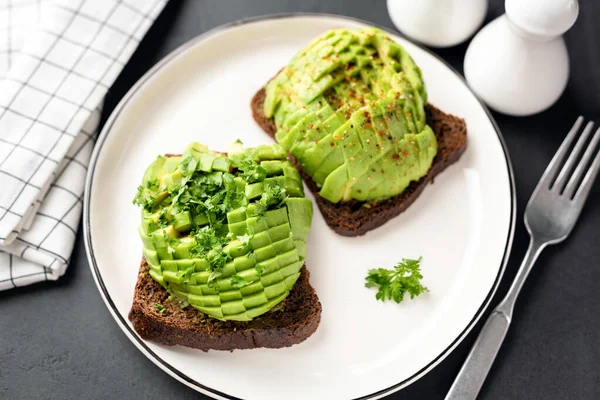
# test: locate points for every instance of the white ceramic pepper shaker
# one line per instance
(437, 23)
(518, 64)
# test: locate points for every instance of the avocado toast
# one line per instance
(224, 247)
(351, 110)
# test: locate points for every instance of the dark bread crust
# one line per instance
(352, 218)
(293, 322)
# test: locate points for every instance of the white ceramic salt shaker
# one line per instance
(518, 64)
(437, 23)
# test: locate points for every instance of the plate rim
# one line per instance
(107, 128)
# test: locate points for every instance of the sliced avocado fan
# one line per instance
(225, 234)
(350, 108)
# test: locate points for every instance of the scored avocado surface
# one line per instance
(350, 109)
(225, 234)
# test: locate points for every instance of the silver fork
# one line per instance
(550, 216)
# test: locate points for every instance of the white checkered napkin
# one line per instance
(57, 60)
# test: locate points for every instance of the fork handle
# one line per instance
(475, 369)
(479, 361)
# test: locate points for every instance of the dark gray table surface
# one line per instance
(58, 340)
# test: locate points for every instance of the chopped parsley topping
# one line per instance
(252, 171)
(146, 194)
(161, 309)
(261, 269)
(238, 281)
(186, 274)
(273, 197)
(244, 242)
(188, 165)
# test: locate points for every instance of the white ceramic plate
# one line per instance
(462, 225)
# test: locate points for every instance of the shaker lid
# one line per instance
(543, 17)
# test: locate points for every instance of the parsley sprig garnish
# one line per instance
(394, 283)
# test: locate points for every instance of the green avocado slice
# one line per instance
(376, 92)
(226, 234)
(321, 148)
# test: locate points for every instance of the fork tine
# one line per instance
(580, 170)
(554, 166)
(565, 172)
(588, 181)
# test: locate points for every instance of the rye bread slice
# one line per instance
(289, 323)
(352, 218)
